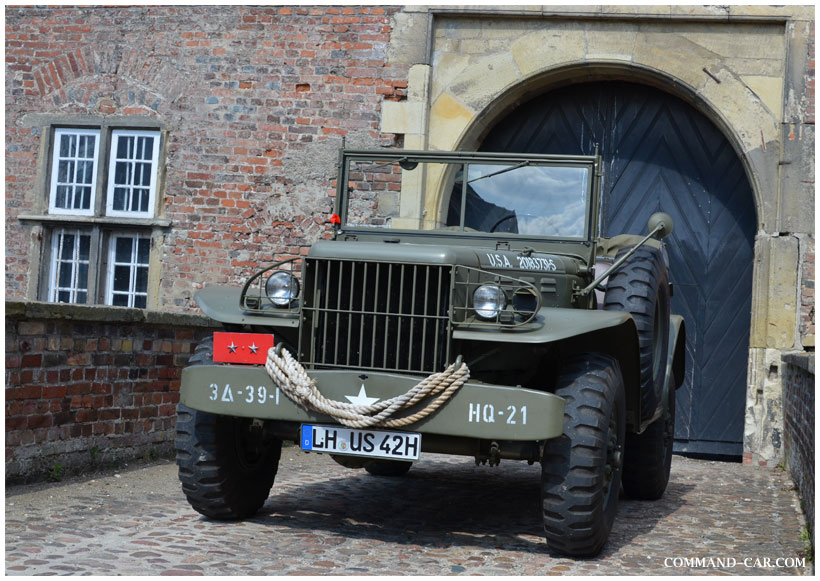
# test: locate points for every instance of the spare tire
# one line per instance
(641, 288)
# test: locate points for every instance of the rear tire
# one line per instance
(641, 287)
(581, 470)
(648, 456)
(392, 468)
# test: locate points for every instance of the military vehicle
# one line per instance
(465, 304)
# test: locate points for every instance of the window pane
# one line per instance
(68, 247)
(82, 276)
(124, 147)
(122, 249)
(63, 297)
(143, 248)
(65, 274)
(84, 172)
(67, 145)
(61, 200)
(119, 198)
(148, 147)
(82, 297)
(139, 301)
(143, 174)
(64, 170)
(85, 247)
(87, 143)
(140, 200)
(141, 285)
(122, 278)
(119, 300)
(82, 197)
(122, 173)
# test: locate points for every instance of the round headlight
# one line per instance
(282, 288)
(488, 301)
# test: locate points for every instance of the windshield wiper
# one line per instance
(495, 173)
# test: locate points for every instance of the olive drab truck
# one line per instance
(465, 304)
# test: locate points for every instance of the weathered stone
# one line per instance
(769, 89)
(774, 309)
(448, 119)
(763, 426)
(486, 78)
(403, 117)
(610, 41)
(551, 46)
(797, 207)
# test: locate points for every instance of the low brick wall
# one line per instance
(91, 386)
(798, 425)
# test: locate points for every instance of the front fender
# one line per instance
(579, 331)
(221, 303)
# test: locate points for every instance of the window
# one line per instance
(132, 173)
(70, 253)
(73, 171)
(102, 222)
(128, 271)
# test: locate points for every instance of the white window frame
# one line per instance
(133, 264)
(57, 237)
(116, 135)
(55, 164)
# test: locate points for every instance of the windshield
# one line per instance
(520, 197)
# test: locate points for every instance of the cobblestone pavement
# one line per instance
(445, 517)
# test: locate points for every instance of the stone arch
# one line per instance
(712, 436)
(555, 78)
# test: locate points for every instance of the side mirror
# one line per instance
(663, 223)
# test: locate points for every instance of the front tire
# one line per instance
(226, 464)
(581, 470)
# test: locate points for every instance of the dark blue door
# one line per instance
(659, 153)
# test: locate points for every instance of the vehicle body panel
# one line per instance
(475, 410)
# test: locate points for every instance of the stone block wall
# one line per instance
(798, 425)
(89, 386)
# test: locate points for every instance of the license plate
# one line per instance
(356, 442)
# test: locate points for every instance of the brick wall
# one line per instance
(798, 425)
(89, 386)
(257, 101)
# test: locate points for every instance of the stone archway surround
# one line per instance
(734, 73)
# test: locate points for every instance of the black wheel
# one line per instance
(648, 456)
(388, 467)
(641, 287)
(581, 470)
(226, 464)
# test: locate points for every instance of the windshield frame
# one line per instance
(515, 160)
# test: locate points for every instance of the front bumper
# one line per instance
(475, 411)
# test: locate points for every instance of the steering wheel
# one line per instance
(502, 220)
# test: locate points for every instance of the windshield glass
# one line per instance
(528, 198)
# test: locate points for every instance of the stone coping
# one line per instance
(802, 360)
(103, 314)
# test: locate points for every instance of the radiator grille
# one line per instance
(375, 315)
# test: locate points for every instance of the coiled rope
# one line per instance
(294, 381)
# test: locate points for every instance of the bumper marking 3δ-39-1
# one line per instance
(476, 410)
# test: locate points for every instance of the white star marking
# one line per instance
(362, 398)
(232, 347)
(253, 348)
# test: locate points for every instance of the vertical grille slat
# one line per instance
(373, 315)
